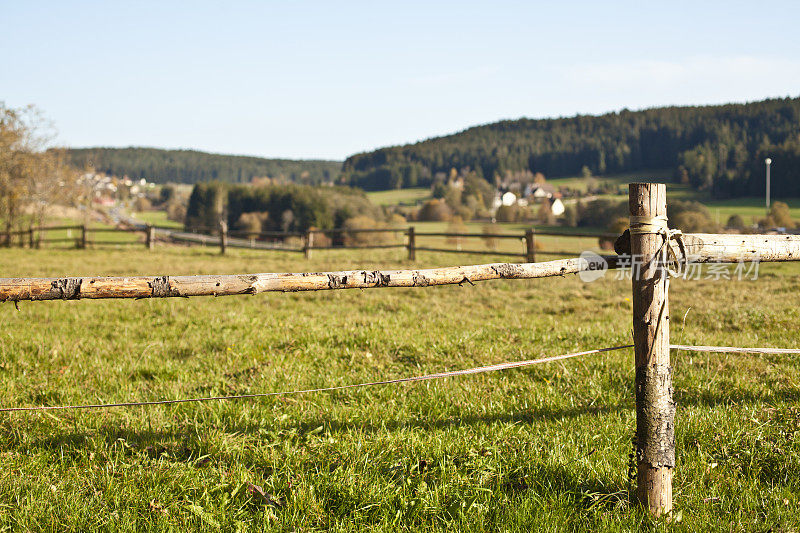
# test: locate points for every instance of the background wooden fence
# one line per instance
(84, 236)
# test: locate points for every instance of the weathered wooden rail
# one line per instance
(73, 288)
(340, 238)
(645, 243)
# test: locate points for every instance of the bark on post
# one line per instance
(655, 409)
(308, 244)
(223, 236)
(150, 237)
(530, 246)
(412, 244)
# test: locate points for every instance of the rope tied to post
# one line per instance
(666, 253)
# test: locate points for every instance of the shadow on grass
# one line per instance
(190, 432)
(684, 398)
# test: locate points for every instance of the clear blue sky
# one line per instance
(328, 79)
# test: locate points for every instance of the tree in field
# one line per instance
(31, 176)
(779, 216)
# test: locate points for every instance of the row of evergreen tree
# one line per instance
(191, 166)
(287, 207)
(720, 149)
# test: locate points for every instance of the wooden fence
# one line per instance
(649, 240)
(304, 242)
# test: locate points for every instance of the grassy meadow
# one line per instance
(542, 448)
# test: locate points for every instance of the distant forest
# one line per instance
(718, 149)
(190, 166)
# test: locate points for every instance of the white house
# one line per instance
(544, 190)
(508, 198)
(557, 207)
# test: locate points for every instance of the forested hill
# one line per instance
(190, 166)
(716, 148)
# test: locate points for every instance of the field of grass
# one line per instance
(545, 448)
(157, 218)
(69, 238)
(750, 209)
(400, 196)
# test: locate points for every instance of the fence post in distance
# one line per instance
(530, 246)
(223, 236)
(150, 237)
(308, 244)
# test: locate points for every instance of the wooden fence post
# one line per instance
(39, 231)
(7, 242)
(655, 409)
(150, 237)
(308, 244)
(530, 246)
(83, 237)
(412, 244)
(30, 238)
(223, 236)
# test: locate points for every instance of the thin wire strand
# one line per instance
(732, 349)
(438, 375)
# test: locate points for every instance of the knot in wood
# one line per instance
(376, 278)
(67, 288)
(160, 287)
(419, 280)
(336, 281)
(508, 270)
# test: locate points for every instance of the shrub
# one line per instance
(601, 213)
(251, 222)
(359, 239)
(735, 222)
(690, 217)
(319, 240)
(570, 216)
(434, 210)
(396, 220)
(508, 213)
(779, 216)
(456, 226)
(490, 242)
(545, 214)
(143, 204)
(176, 212)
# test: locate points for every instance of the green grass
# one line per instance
(157, 218)
(750, 209)
(400, 196)
(69, 238)
(545, 448)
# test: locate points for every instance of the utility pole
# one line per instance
(768, 161)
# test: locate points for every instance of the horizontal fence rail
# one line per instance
(700, 247)
(74, 288)
(472, 252)
(306, 242)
